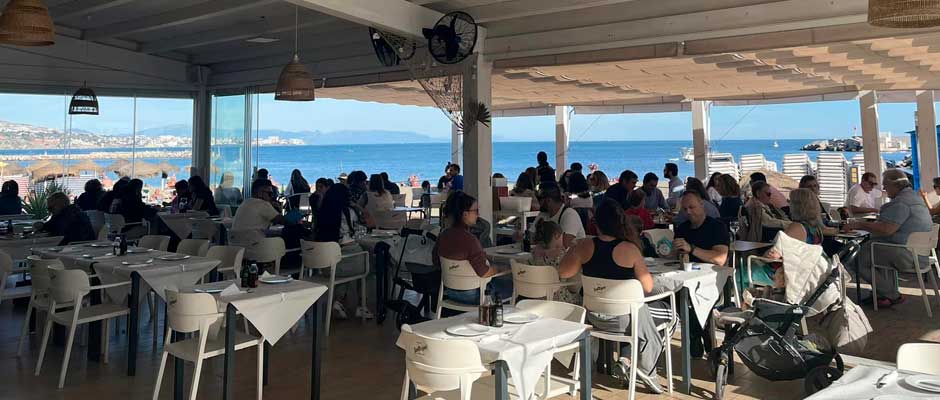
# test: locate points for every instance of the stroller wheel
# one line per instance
(820, 378)
(719, 360)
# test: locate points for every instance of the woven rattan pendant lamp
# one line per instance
(904, 13)
(26, 23)
(295, 82)
(84, 102)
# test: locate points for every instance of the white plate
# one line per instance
(208, 290)
(468, 330)
(892, 397)
(138, 250)
(174, 257)
(520, 318)
(150, 261)
(55, 248)
(508, 251)
(930, 383)
(100, 245)
(275, 279)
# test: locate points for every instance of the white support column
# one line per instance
(202, 127)
(562, 130)
(927, 138)
(478, 143)
(701, 133)
(455, 142)
(868, 105)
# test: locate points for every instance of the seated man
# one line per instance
(552, 206)
(254, 216)
(777, 199)
(654, 197)
(861, 197)
(67, 221)
(897, 219)
(764, 219)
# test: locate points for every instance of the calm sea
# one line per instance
(428, 160)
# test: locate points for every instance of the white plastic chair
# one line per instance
(399, 199)
(558, 385)
(321, 255)
(96, 218)
(193, 247)
(116, 223)
(230, 258)
(71, 286)
(198, 312)
(270, 250)
(625, 297)
(459, 275)
(203, 228)
(39, 299)
(535, 281)
(156, 242)
(6, 270)
(919, 357)
(442, 365)
(918, 244)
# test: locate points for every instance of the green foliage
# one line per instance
(35, 201)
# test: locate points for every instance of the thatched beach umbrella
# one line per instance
(140, 168)
(39, 164)
(87, 165)
(118, 165)
(11, 168)
(776, 179)
(50, 169)
(168, 168)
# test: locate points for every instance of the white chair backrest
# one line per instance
(553, 309)
(438, 364)
(533, 281)
(39, 272)
(6, 265)
(186, 312)
(611, 297)
(459, 275)
(230, 256)
(114, 222)
(919, 357)
(96, 218)
(923, 242)
(67, 285)
(156, 242)
(399, 200)
(193, 247)
(269, 249)
(319, 255)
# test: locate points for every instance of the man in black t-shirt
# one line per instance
(705, 239)
(621, 191)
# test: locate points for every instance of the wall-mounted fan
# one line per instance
(386, 54)
(452, 38)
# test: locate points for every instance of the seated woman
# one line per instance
(730, 206)
(806, 226)
(457, 243)
(380, 200)
(183, 200)
(579, 193)
(133, 209)
(88, 201)
(599, 183)
(615, 254)
(933, 208)
(636, 201)
(525, 188)
(203, 200)
(298, 184)
(548, 249)
(10, 202)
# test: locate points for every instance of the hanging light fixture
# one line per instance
(904, 13)
(84, 102)
(26, 23)
(296, 81)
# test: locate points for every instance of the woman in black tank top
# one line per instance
(613, 254)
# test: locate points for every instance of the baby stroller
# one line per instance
(770, 340)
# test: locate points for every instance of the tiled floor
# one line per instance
(361, 362)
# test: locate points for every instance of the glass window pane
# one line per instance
(163, 144)
(227, 163)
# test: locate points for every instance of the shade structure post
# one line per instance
(701, 134)
(455, 143)
(202, 127)
(926, 138)
(478, 142)
(871, 149)
(562, 133)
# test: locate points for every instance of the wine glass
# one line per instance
(735, 226)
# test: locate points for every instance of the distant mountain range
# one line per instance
(310, 137)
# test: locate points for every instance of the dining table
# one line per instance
(180, 223)
(18, 247)
(520, 351)
(146, 269)
(272, 309)
(865, 382)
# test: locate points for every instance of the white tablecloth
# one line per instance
(160, 275)
(859, 383)
(704, 284)
(179, 223)
(18, 249)
(272, 308)
(527, 349)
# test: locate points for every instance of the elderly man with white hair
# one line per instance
(897, 219)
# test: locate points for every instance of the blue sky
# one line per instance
(789, 121)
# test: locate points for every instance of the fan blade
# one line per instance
(428, 33)
(451, 48)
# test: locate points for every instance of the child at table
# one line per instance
(548, 249)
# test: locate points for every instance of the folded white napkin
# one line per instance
(230, 290)
(266, 274)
